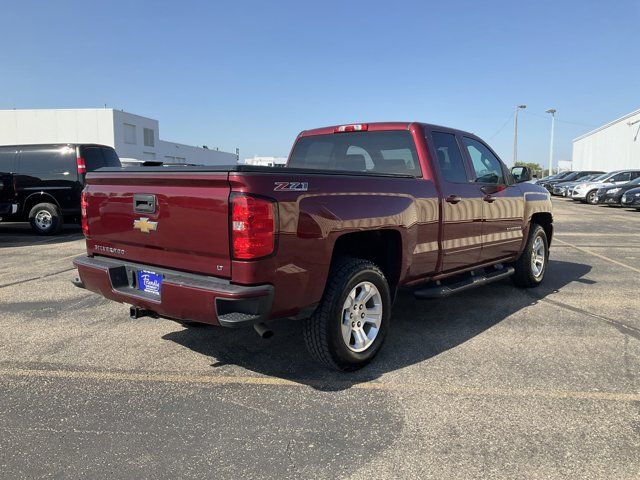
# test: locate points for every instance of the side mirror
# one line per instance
(521, 174)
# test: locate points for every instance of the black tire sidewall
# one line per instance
(56, 218)
(590, 196)
(343, 356)
(538, 232)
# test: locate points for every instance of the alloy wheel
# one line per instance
(361, 317)
(538, 257)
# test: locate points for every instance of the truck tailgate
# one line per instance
(167, 219)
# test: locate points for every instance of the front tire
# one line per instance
(46, 219)
(348, 327)
(532, 264)
(591, 197)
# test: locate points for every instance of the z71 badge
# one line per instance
(291, 187)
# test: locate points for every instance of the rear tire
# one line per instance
(590, 198)
(532, 264)
(46, 219)
(348, 327)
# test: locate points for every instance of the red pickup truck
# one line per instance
(359, 212)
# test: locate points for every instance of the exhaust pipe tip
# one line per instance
(262, 330)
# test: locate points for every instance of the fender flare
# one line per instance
(43, 196)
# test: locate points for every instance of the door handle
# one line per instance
(489, 199)
(144, 203)
(453, 199)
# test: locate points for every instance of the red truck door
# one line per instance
(502, 202)
(461, 206)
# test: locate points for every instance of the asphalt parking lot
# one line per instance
(496, 382)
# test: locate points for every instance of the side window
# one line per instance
(149, 137)
(449, 157)
(7, 160)
(129, 133)
(622, 177)
(488, 169)
(46, 161)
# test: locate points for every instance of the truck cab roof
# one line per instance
(378, 126)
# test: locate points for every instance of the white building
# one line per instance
(614, 146)
(564, 165)
(266, 161)
(133, 136)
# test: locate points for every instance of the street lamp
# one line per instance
(552, 111)
(515, 135)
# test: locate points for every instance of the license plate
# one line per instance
(149, 282)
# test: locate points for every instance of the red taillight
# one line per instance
(83, 209)
(82, 167)
(252, 227)
(358, 127)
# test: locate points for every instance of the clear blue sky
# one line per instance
(253, 74)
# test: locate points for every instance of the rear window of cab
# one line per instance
(389, 152)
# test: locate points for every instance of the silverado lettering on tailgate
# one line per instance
(104, 249)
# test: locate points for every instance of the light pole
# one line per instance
(552, 111)
(515, 135)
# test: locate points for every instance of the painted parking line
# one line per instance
(587, 234)
(32, 279)
(229, 380)
(38, 241)
(602, 257)
(624, 247)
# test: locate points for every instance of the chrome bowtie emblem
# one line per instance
(144, 225)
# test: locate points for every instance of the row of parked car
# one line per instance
(617, 188)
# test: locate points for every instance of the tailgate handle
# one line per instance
(144, 203)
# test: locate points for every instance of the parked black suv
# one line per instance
(42, 183)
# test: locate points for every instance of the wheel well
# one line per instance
(382, 247)
(35, 199)
(545, 220)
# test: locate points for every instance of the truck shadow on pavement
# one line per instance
(21, 235)
(421, 329)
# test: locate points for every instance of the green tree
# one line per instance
(533, 166)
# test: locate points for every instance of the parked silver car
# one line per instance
(586, 192)
(562, 189)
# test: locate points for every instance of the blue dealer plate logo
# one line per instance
(149, 282)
